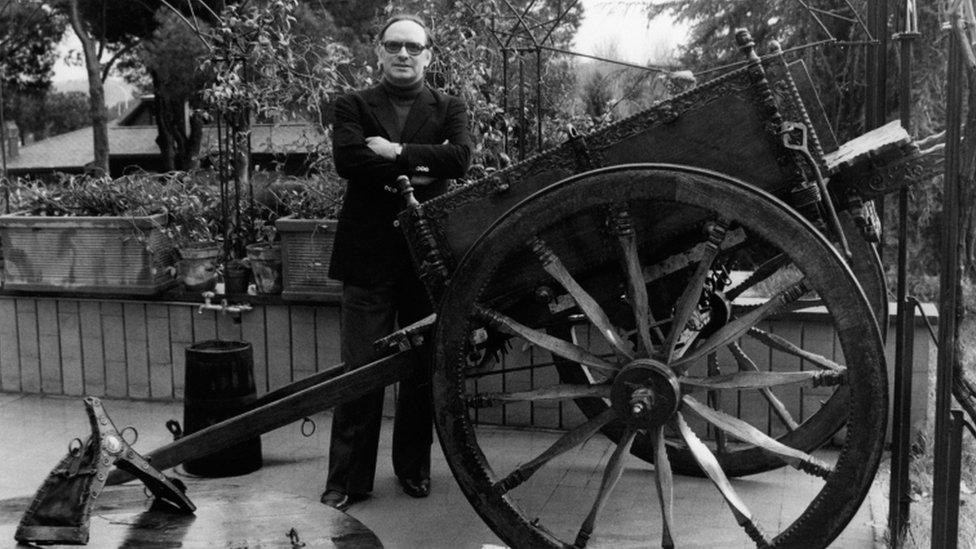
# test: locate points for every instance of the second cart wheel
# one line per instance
(806, 428)
(597, 252)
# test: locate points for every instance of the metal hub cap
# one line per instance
(645, 393)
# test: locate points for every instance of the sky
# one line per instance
(609, 26)
(621, 26)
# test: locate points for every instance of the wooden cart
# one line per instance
(633, 261)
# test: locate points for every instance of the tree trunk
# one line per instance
(164, 138)
(188, 157)
(179, 139)
(96, 93)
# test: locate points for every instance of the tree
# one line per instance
(170, 59)
(105, 27)
(597, 95)
(839, 71)
(29, 34)
(44, 115)
(478, 47)
(263, 68)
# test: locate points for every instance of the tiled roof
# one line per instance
(72, 150)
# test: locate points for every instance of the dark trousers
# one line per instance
(369, 313)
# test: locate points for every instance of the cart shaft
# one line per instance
(290, 403)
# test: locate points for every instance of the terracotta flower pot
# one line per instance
(265, 261)
(197, 268)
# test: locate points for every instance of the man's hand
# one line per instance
(383, 147)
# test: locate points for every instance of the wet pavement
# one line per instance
(36, 432)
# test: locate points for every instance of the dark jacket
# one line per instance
(369, 249)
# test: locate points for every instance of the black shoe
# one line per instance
(336, 499)
(419, 488)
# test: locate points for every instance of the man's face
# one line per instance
(402, 68)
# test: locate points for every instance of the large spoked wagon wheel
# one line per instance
(807, 417)
(644, 259)
(799, 417)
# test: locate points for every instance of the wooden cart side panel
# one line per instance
(730, 125)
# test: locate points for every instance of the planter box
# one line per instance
(102, 255)
(306, 247)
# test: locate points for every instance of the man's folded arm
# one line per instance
(353, 159)
(447, 160)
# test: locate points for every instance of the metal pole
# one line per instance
(3, 148)
(948, 300)
(522, 120)
(899, 500)
(953, 476)
(538, 99)
(877, 63)
(876, 107)
(505, 99)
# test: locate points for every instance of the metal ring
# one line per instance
(135, 435)
(174, 428)
(311, 430)
(73, 449)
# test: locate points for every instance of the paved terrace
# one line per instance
(36, 431)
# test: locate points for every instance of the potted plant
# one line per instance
(195, 226)
(307, 233)
(85, 234)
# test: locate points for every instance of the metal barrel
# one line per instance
(219, 385)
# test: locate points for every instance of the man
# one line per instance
(399, 127)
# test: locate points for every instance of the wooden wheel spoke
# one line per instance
(781, 344)
(560, 391)
(715, 401)
(615, 467)
(792, 289)
(566, 442)
(555, 267)
(762, 380)
(552, 344)
(675, 263)
(690, 296)
(706, 460)
(637, 290)
(747, 365)
(761, 273)
(665, 486)
(746, 432)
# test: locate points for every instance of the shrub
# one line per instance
(71, 195)
(316, 197)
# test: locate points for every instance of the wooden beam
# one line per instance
(278, 413)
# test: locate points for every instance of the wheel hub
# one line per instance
(645, 393)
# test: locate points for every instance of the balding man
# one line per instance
(398, 127)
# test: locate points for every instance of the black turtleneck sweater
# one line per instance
(402, 98)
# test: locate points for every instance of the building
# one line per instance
(132, 145)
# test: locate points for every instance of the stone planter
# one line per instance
(101, 255)
(306, 249)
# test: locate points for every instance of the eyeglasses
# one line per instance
(394, 46)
